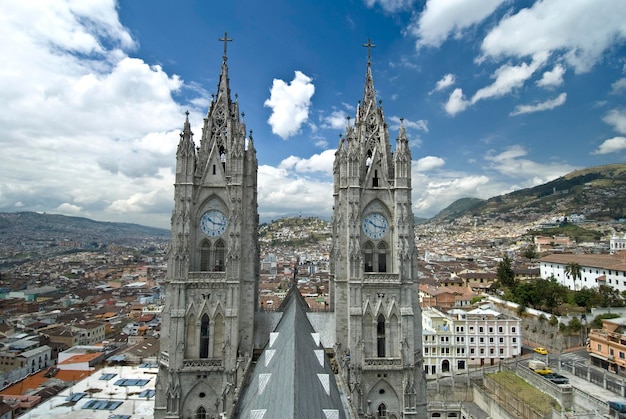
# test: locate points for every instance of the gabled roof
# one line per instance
(292, 378)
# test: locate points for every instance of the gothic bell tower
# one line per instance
(212, 277)
(378, 333)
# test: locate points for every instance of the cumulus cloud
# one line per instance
(511, 163)
(543, 106)
(440, 191)
(322, 162)
(282, 190)
(418, 125)
(290, 104)
(619, 86)
(82, 122)
(552, 78)
(509, 77)
(612, 145)
(456, 102)
(390, 6)
(336, 120)
(580, 31)
(444, 18)
(617, 119)
(445, 82)
(428, 163)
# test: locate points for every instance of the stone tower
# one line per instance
(212, 277)
(378, 337)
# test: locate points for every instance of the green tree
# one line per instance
(530, 253)
(505, 273)
(573, 270)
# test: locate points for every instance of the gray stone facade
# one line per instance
(374, 264)
(211, 326)
(213, 263)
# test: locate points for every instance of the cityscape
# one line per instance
(79, 314)
(459, 252)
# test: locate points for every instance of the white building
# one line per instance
(458, 340)
(596, 270)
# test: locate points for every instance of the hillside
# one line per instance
(52, 229)
(598, 193)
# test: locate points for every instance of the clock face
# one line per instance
(375, 225)
(213, 223)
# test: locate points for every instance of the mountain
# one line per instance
(32, 226)
(598, 193)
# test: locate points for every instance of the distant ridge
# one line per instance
(598, 193)
(62, 227)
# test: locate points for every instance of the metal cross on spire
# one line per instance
(369, 46)
(225, 39)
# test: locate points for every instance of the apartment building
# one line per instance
(459, 340)
(607, 346)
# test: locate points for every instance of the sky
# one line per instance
(496, 95)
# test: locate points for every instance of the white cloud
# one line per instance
(612, 145)
(552, 78)
(83, 126)
(428, 163)
(290, 104)
(509, 77)
(445, 82)
(336, 120)
(418, 125)
(617, 119)
(322, 162)
(282, 191)
(439, 192)
(390, 6)
(511, 163)
(444, 18)
(619, 86)
(543, 106)
(456, 102)
(580, 31)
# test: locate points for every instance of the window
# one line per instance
(212, 257)
(514, 340)
(201, 413)
(513, 329)
(382, 410)
(380, 336)
(491, 330)
(204, 337)
(375, 259)
(205, 254)
(382, 257)
(481, 329)
(368, 256)
(599, 347)
(500, 329)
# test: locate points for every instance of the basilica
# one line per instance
(221, 354)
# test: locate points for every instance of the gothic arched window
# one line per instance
(375, 259)
(204, 337)
(220, 252)
(368, 256)
(381, 251)
(380, 336)
(382, 411)
(201, 413)
(205, 256)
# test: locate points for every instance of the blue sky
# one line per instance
(496, 95)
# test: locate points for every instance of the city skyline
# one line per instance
(495, 96)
